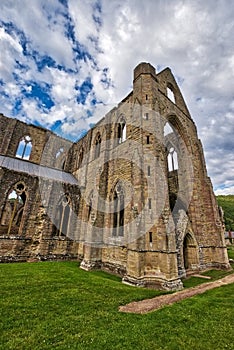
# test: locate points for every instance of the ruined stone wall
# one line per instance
(47, 148)
(155, 252)
(129, 213)
(33, 238)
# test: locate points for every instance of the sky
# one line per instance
(65, 63)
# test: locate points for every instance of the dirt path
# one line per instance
(147, 305)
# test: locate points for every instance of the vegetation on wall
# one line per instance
(227, 204)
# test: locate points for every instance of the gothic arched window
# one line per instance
(172, 159)
(118, 215)
(171, 140)
(14, 207)
(80, 158)
(63, 216)
(170, 93)
(59, 152)
(24, 148)
(97, 145)
(60, 158)
(121, 130)
(89, 206)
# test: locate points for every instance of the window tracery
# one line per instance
(121, 130)
(14, 207)
(63, 216)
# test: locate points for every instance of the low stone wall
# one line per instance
(20, 249)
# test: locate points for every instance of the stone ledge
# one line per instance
(154, 283)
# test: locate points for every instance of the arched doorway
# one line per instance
(190, 252)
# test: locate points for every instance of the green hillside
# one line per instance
(227, 203)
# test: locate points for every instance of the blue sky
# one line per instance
(65, 63)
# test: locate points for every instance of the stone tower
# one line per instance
(131, 197)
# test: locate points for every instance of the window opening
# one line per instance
(97, 146)
(80, 158)
(170, 94)
(168, 129)
(122, 131)
(24, 148)
(150, 203)
(147, 140)
(60, 151)
(63, 215)
(14, 207)
(150, 237)
(148, 170)
(118, 215)
(172, 159)
(90, 206)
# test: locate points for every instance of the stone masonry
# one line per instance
(131, 197)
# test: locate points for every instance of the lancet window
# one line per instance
(14, 207)
(63, 216)
(118, 215)
(97, 146)
(24, 148)
(121, 130)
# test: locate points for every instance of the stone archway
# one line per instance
(190, 253)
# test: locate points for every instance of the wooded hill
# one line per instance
(227, 204)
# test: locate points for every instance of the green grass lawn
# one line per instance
(56, 305)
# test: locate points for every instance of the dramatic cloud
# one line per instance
(64, 64)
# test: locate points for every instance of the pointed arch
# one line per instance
(170, 93)
(14, 207)
(97, 145)
(118, 214)
(90, 206)
(24, 147)
(80, 157)
(60, 158)
(190, 252)
(121, 130)
(172, 159)
(63, 216)
(171, 142)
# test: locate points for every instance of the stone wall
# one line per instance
(141, 204)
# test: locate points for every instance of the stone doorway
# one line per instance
(190, 253)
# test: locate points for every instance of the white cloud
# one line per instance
(225, 191)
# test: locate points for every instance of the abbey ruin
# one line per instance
(131, 197)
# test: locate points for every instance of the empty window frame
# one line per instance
(121, 130)
(170, 94)
(172, 159)
(24, 148)
(63, 216)
(118, 215)
(150, 203)
(80, 158)
(150, 237)
(148, 170)
(14, 208)
(97, 145)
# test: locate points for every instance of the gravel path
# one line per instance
(147, 305)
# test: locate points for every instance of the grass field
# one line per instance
(56, 305)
